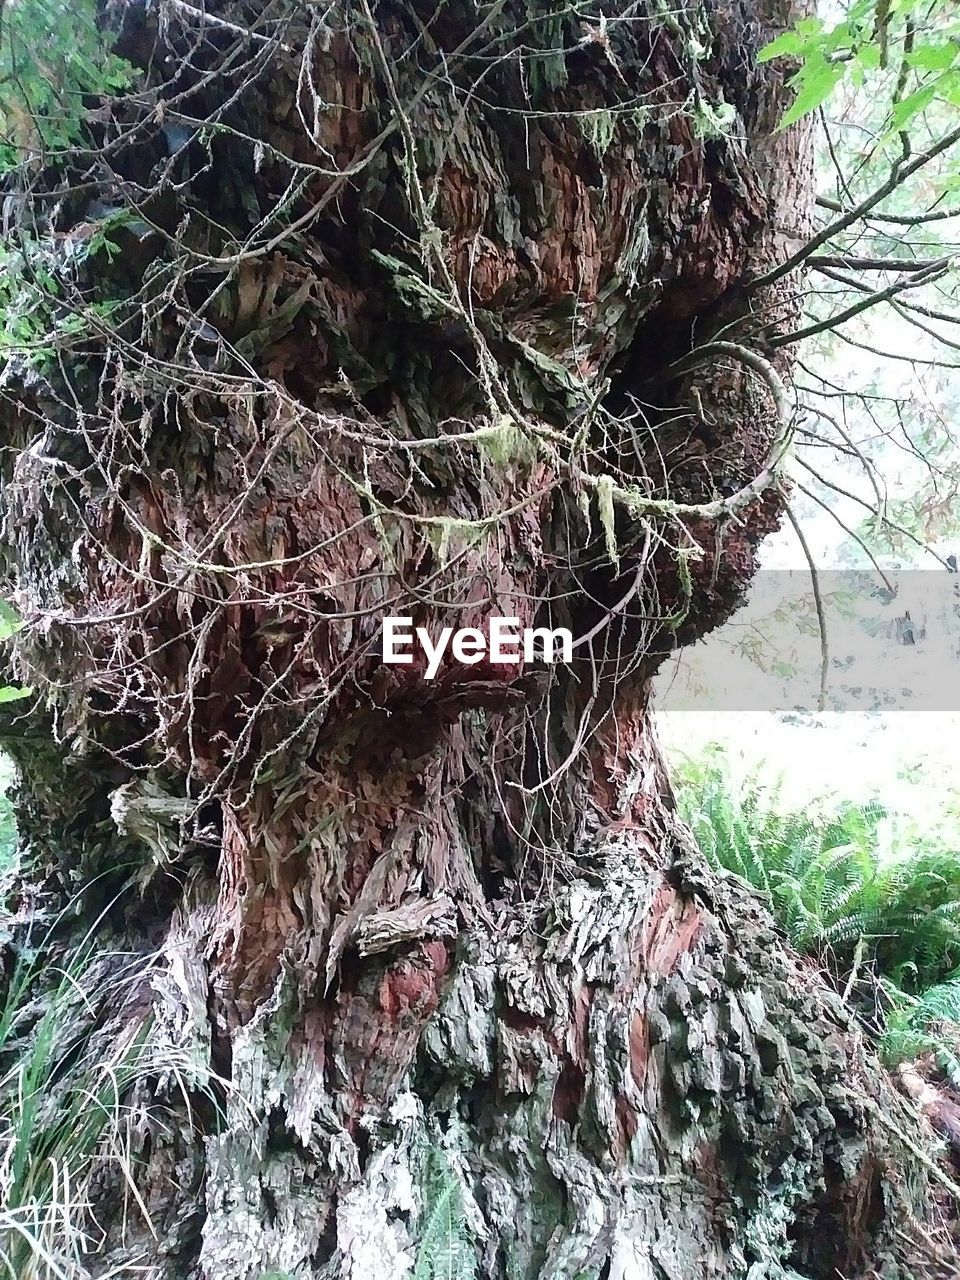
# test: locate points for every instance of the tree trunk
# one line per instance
(415, 312)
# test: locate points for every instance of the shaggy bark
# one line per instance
(457, 994)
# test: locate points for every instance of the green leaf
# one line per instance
(53, 54)
(814, 83)
(908, 107)
(934, 57)
(790, 44)
(809, 26)
(10, 622)
(10, 694)
(868, 57)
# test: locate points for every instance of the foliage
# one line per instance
(929, 1022)
(52, 54)
(824, 880)
(444, 1251)
(9, 624)
(48, 1150)
(41, 311)
(852, 890)
(66, 1074)
(863, 43)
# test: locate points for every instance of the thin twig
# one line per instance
(898, 175)
(818, 604)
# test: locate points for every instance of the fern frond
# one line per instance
(445, 1250)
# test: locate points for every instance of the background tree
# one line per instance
(314, 315)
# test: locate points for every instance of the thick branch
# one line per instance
(898, 175)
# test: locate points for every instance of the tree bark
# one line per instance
(412, 314)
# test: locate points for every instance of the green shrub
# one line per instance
(874, 901)
(53, 53)
(832, 893)
(928, 1023)
(75, 1042)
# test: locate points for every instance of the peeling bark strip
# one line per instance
(414, 314)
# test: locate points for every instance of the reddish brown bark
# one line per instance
(399, 917)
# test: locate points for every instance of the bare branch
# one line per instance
(898, 175)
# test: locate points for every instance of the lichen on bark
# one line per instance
(405, 301)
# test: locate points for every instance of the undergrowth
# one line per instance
(873, 901)
(74, 1045)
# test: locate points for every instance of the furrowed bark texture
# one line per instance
(399, 296)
